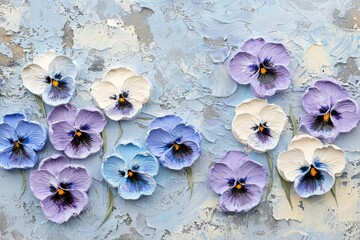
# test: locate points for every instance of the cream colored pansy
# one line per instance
(52, 77)
(258, 124)
(311, 165)
(121, 93)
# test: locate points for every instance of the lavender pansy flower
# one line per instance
(51, 76)
(131, 170)
(258, 124)
(263, 66)
(76, 131)
(330, 110)
(19, 141)
(61, 188)
(311, 165)
(121, 93)
(176, 144)
(239, 180)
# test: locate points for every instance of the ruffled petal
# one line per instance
(263, 143)
(241, 202)
(143, 185)
(253, 46)
(61, 94)
(60, 213)
(113, 170)
(53, 164)
(62, 66)
(307, 144)
(307, 187)
(333, 157)
(138, 88)
(104, 93)
(145, 163)
(85, 148)
(159, 141)
(126, 113)
(290, 164)
(127, 152)
(44, 59)
(333, 88)
(242, 126)
(276, 53)
(253, 173)
(315, 99)
(60, 134)
(34, 79)
(168, 122)
(90, 120)
(41, 182)
(62, 113)
(243, 67)
(347, 116)
(234, 159)
(274, 117)
(183, 132)
(252, 106)
(7, 136)
(327, 133)
(23, 158)
(33, 134)
(177, 161)
(221, 178)
(117, 76)
(13, 119)
(75, 177)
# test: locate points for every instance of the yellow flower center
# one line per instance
(327, 117)
(238, 186)
(60, 191)
(263, 70)
(261, 128)
(313, 171)
(122, 100)
(78, 133)
(16, 144)
(55, 83)
(176, 147)
(130, 173)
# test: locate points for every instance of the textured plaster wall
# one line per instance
(183, 48)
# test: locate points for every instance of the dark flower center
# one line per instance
(17, 145)
(181, 150)
(239, 186)
(122, 103)
(55, 82)
(80, 137)
(263, 131)
(62, 197)
(323, 121)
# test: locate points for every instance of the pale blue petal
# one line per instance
(145, 163)
(62, 67)
(7, 136)
(184, 132)
(33, 135)
(159, 141)
(127, 151)
(25, 158)
(13, 119)
(114, 170)
(145, 185)
(55, 96)
(168, 122)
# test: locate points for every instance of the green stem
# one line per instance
(110, 206)
(24, 180)
(270, 162)
(190, 178)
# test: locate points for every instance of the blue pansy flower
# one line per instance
(311, 165)
(131, 170)
(19, 141)
(176, 144)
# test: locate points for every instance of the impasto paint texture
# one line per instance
(183, 48)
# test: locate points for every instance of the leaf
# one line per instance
(293, 120)
(103, 134)
(286, 186)
(190, 178)
(110, 206)
(24, 180)
(333, 191)
(120, 133)
(270, 162)
(41, 104)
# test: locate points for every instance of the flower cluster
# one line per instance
(76, 132)
(51, 76)
(258, 124)
(239, 180)
(19, 141)
(329, 110)
(176, 144)
(61, 188)
(263, 65)
(131, 170)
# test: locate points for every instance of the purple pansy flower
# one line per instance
(330, 110)
(239, 180)
(61, 188)
(19, 141)
(263, 65)
(131, 170)
(76, 132)
(176, 144)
